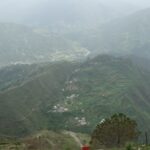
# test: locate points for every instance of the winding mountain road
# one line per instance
(75, 137)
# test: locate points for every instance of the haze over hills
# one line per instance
(22, 44)
(76, 96)
(125, 36)
(85, 13)
(67, 65)
(74, 12)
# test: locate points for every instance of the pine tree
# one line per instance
(115, 131)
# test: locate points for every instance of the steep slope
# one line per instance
(106, 85)
(15, 75)
(125, 36)
(77, 96)
(22, 106)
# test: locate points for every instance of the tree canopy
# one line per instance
(115, 131)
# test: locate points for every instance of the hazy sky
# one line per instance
(18, 9)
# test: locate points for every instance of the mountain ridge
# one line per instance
(124, 36)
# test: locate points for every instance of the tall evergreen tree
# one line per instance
(115, 131)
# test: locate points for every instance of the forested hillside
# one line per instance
(75, 96)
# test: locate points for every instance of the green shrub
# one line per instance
(129, 147)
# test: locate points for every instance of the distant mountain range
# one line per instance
(25, 45)
(76, 13)
(125, 36)
(85, 13)
(73, 96)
